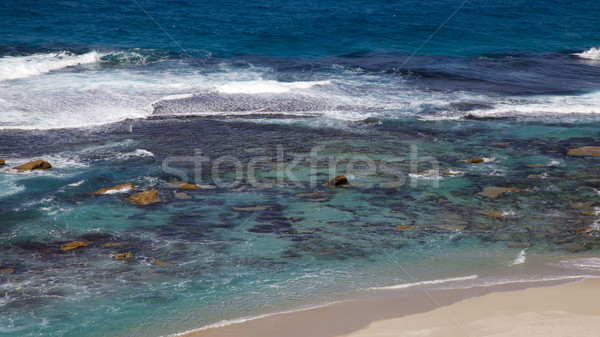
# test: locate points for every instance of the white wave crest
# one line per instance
(440, 281)
(520, 259)
(590, 54)
(14, 67)
(266, 87)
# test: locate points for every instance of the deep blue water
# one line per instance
(395, 95)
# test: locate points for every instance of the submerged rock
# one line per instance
(112, 244)
(402, 227)
(518, 244)
(33, 165)
(575, 246)
(181, 195)
(475, 160)
(494, 191)
(584, 151)
(144, 198)
(251, 208)
(123, 256)
(337, 181)
(73, 245)
(116, 189)
(187, 186)
(7, 271)
(580, 205)
(493, 214)
(159, 262)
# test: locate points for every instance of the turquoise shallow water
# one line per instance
(259, 247)
(261, 103)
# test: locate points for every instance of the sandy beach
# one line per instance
(507, 310)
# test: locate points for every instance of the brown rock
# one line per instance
(584, 151)
(112, 244)
(6, 271)
(494, 191)
(159, 262)
(33, 165)
(580, 205)
(116, 188)
(73, 245)
(337, 181)
(181, 195)
(475, 160)
(575, 247)
(584, 229)
(187, 186)
(492, 214)
(144, 198)
(123, 256)
(518, 244)
(402, 227)
(588, 213)
(1, 162)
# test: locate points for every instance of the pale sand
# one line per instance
(567, 310)
(558, 310)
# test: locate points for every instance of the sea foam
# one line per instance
(14, 67)
(590, 54)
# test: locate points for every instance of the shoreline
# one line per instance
(378, 314)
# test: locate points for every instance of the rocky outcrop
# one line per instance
(73, 245)
(337, 181)
(584, 151)
(144, 198)
(116, 189)
(494, 191)
(123, 256)
(187, 186)
(33, 165)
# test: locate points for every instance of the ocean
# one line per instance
(426, 107)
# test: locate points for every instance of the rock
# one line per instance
(116, 189)
(33, 165)
(575, 247)
(494, 191)
(584, 151)
(184, 196)
(187, 186)
(500, 144)
(1, 162)
(585, 229)
(518, 244)
(402, 227)
(580, 205)
(112, 244)
(251, 208)
(159, 262)
(311, 195)
(475, 160)
(7, 271)
(123, 256)
(73, 245)
(144, 198)
(588, 213)
(337, 181)
(493, 214)
(206, 187)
